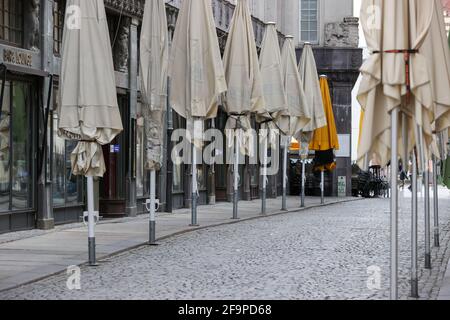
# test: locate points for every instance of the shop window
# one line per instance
(59, 8)
(16, 148)
(11, 21)
(309, 21)
(67, 188)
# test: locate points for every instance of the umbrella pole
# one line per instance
(414, 230)
(264, 188)
(394, 204)
(435, 203)
(303, 183)
(285, 178)
(236, 177)
(194, 188)
(322, 187)
(427, 217)
(91, 221)
(152, 209)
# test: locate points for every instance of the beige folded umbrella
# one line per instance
(310, 78)
(396, 78)
(273, 83)
(311, 86)
(88, 110)
(196, 73)
(299, 115)
(154, 62)
(298, 111)
(276, 108)
(244, 96)
(437, 51)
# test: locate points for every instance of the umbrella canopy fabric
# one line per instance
(436, 49)
(88, 109)
(395, 75)
(276, 106)
(195, 66)
(325, 138)
(154, 63)
(242, 73)
(296, 99)
(309, 76)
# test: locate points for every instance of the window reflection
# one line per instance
(5, 150)
(67, 188)
(16, 148)
(140, 153)
(21, 140)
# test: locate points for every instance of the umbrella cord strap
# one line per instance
(407, 56)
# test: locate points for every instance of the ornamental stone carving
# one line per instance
(342, 34)
(32, 24)
(121, 46)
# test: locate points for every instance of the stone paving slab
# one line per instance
(34, 255)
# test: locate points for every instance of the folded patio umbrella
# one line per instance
(396, 78)
(154, 56)
(243, 76)
(196, 73)
(244, 96)
(395, 75)
(293, 85)
(154, 63)
(325, 138)
(276, 107)
(310, 78)
(299, 113)
(88, 111)
(436, 49)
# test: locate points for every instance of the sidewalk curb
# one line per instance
(179, 233)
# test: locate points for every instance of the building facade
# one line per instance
(37, 189)
(446, 6)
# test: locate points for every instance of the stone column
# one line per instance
(131, 202)
(45, 218)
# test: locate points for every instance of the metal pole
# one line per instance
(169, 182)
(436, 203)
(303, 183)
(285, 164)
(236, 176)
(427, 217)
(394, 204)
(322, 187)
(264, 188)
(414, 230)
(91, 221)
(194, 188)
(152, 222)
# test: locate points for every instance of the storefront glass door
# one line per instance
(16, 148)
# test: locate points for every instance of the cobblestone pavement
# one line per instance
(322, 253)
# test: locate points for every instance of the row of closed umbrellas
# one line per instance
(405, 97)
(272, 88)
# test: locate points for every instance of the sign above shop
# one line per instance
(18, 57)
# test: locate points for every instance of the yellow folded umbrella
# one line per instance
(325, 138)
